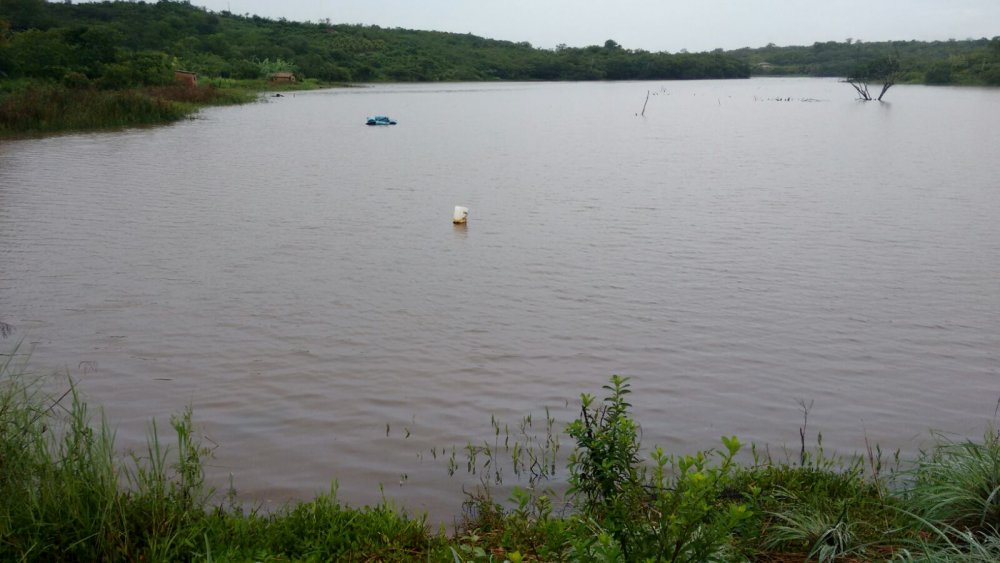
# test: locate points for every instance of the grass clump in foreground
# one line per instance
(68, 496)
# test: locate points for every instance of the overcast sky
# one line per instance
(653, 25)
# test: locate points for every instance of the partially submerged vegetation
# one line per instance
(52, 108)
(70, 496)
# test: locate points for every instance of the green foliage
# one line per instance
(691, 518)
(325, 530)
(72, 504)
(39, 54)
(605, 465)
(958, 483)
(946, 544)
(884, 70)
(877, 70)
(530, 529)
(78, 499)
(267, 67)
(25, 14)
(939, 73)
(702, 507)
(823, 527)
(61, 476)
(822, 507)
(81, 37)
(31, 108)
(675, 512)
(145, 68)
(77, 36)
(972, 61)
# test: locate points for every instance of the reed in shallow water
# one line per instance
(46, 108)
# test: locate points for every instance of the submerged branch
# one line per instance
(861, 87)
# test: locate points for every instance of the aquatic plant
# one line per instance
(47, 108)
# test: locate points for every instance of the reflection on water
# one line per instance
(293, 274)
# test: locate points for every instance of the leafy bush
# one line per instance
(675, 512)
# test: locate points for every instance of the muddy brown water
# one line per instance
(295, 277)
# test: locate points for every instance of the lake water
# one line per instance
(295, 277)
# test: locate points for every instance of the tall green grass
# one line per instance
(67, 495)
(74, 497)
(958, 483)
(48, 108)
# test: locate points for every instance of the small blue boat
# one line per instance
(380, 120)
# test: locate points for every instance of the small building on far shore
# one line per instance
(282, 77)
(186, 77)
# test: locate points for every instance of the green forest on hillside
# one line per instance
(120, 44)
(124, 44)
(95, 65)
(967, 62)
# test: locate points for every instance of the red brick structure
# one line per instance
(186, 78)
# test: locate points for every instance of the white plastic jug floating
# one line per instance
(461, 215)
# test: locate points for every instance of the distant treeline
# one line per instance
(126, 44)
(117, 45)
(972, 61)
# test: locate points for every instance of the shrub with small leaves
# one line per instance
(676, 512)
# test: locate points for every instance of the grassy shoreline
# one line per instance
(78, 498)
(33, 109)
(36, 109)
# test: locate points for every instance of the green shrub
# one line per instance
(675, 512)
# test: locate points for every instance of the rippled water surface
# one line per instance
(295, 276)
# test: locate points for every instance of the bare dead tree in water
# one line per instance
(884, 70)
(6, 329)
(861, 86)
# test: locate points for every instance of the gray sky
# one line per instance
(654, 25)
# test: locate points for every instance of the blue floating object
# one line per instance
(380, 120)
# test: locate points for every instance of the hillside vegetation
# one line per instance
(124, 44)
(121, 44)
(968, 62)
(97, 65)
